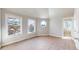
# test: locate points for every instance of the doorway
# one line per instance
(68, 28)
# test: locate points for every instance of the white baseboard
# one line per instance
(42, 35)
(55, 35)
(76, 43)
(24, 38)
(14, 41)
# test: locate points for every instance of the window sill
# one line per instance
(14, 35)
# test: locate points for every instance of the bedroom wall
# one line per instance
(19, 37)
(76, 19)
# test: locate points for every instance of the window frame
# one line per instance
(42, 24)
(34, 26)
(43, 27)
(6, 22)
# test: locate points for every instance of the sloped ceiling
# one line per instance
(43, 12)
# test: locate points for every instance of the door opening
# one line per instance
(68, 28)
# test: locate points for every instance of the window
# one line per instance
(68, 25)
(14, 25)
(43, 23)
(31, 25)
(75, 26)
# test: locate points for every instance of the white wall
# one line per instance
(76, 18)
(76, 29)
(19, 37)
(55, 26)
(56, 22)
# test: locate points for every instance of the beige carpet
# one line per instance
(42, 43)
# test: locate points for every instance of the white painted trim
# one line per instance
(55, 35)
(68, 17)
(42, 35)
(69, 38)
(13, 16)
(76, 43)
(14, 41)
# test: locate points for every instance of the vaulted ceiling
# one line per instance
(43, 12)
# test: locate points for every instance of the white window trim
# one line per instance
(6, 19)
(34, 27)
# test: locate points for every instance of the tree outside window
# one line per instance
(31, 25)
